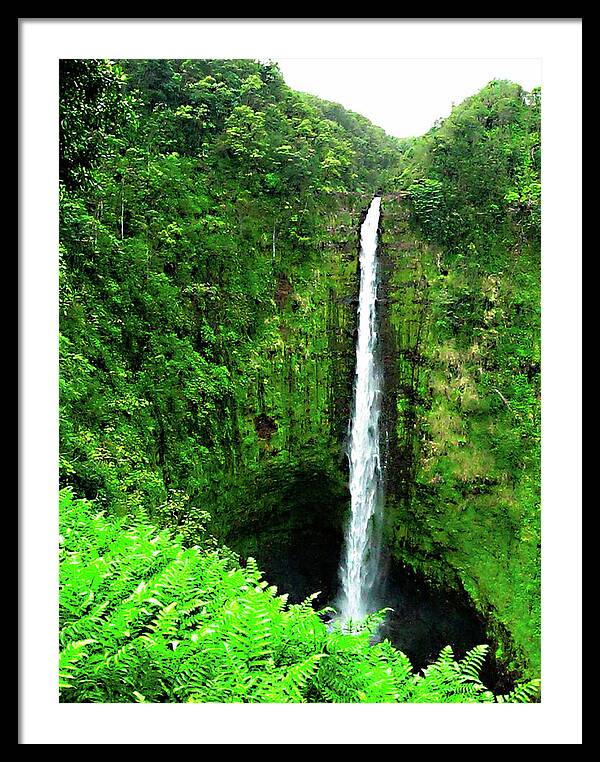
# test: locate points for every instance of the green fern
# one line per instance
(144, 619)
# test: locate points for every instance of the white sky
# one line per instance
(404, 96)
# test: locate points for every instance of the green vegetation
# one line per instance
(208, 238)
(465, 316)
(205, 318)
(146, 619)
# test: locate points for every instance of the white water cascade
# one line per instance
(360, 565)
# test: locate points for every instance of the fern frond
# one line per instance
(522, 693)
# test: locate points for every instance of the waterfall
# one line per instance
(359, 568)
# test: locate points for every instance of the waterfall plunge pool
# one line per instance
(424, 618)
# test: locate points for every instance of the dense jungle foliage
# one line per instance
(192, 225)
(208, 238)
(465, 315)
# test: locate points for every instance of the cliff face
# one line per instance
(286, 498)
(460, 448)
(461, 427)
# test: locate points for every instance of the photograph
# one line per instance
(299, 380)
(299, 392)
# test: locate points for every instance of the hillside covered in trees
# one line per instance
(209, 220)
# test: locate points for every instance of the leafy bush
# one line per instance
(145, 619)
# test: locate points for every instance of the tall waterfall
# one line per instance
(359, 567)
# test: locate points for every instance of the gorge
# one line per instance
(216, 304)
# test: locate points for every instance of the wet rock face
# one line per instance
(286, 495)
(462, 505)
(290, 518)
(426, 618)
(304, 564)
